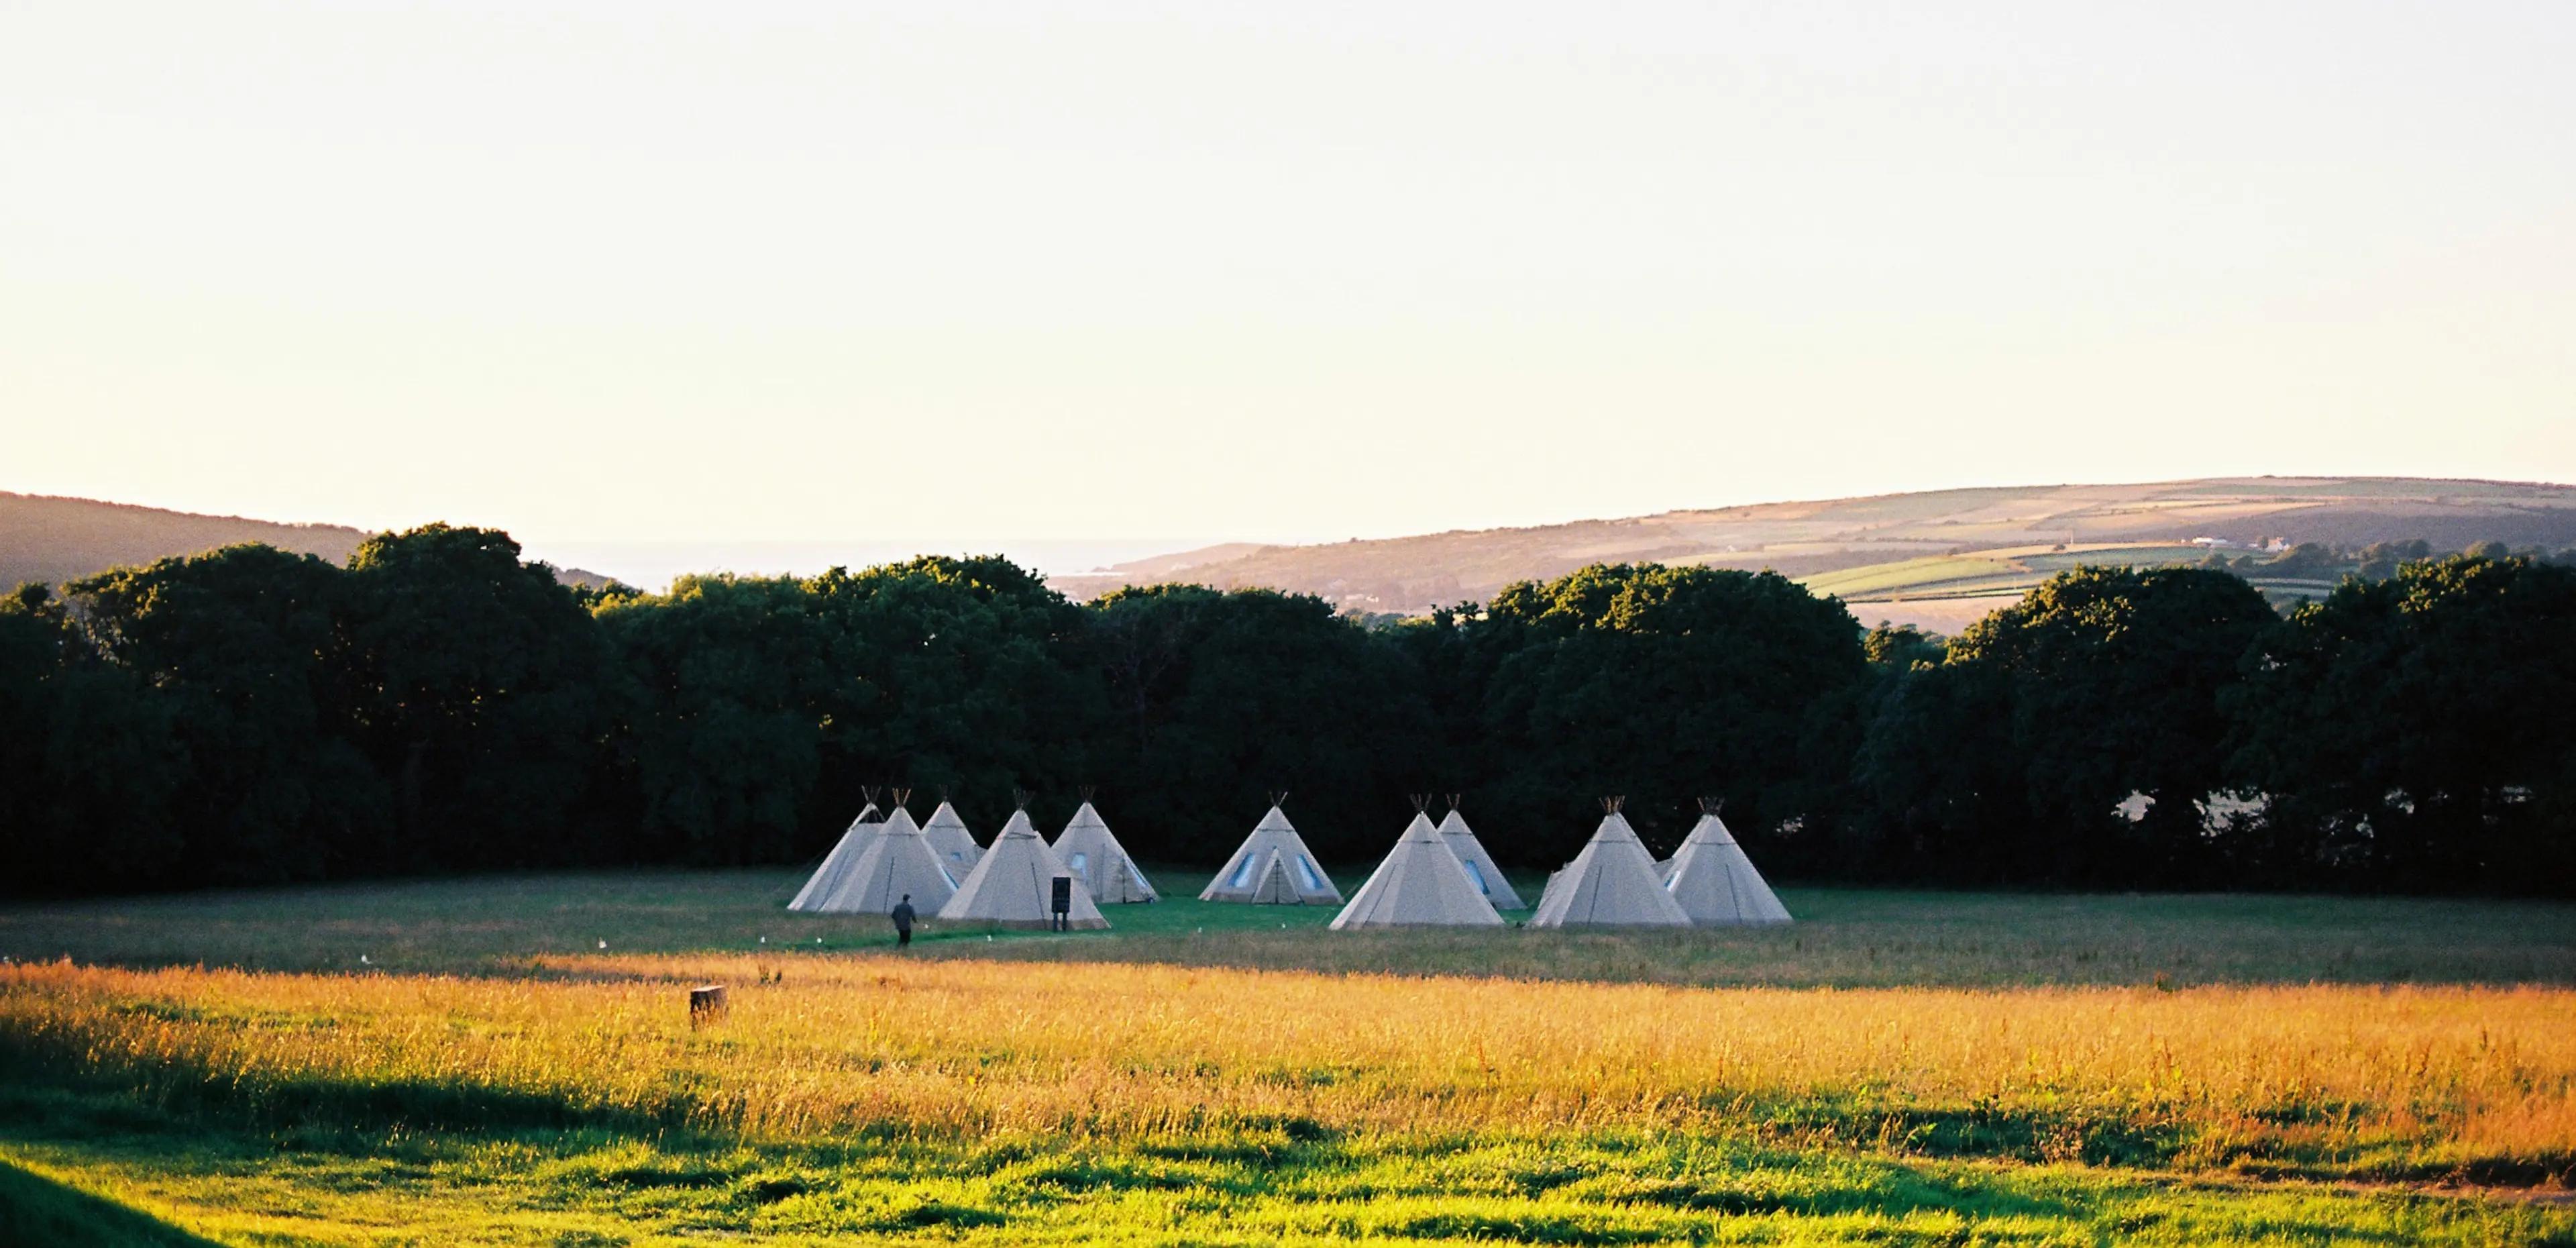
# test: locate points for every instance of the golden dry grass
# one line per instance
(2328, 1080)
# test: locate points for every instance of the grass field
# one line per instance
(1897, 1068)
(2014, 569)
(2017, 570)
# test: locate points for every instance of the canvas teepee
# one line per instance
(897, 863)
(1480, 865)
(1421, 884)
(1013, 884)
(1273, 867)
(1715, 883)
(949, 839)
(1610, 884)
(1096, 858)
(837, 864)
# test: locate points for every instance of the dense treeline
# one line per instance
(436, 704)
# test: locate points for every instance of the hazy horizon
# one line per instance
(657, 277)
(652, 565)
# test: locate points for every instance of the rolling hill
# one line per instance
(1967, 548)
(52, 540)
(1938, 558)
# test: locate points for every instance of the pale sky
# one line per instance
(630, 275)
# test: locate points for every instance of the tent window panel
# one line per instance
(1080, 862)
(1306, 868)
(1242, 873)
(1478, 876)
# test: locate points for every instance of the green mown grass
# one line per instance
(36, 1209)
(1844, 937)
(1244, 1186)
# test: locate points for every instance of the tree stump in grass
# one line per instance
(706, 1004)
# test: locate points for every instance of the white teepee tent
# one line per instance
(950, 840)
(1421, 884)
(898, 863)
(1013, 884)
(838, 863)
(1610, 884)
(1095, 856)
(1715, 883)
(1273, 867)
(1480, 865)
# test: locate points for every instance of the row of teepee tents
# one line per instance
(882, 859)
(1013, 883)
(1434, 876)
(1273, 867)
(1422, 883)
(1614, 882)
(878, 862)
(1443, 877)
(1713, 880)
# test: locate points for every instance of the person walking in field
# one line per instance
(902, 916)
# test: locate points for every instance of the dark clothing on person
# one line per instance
(902, 915)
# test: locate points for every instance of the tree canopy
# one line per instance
(437, 703)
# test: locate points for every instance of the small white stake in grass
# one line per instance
(603, 944)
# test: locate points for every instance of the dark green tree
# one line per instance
(1901, 647)
(1219, 697)
(965, 675)
(1665, 685)
(88, 764)
(246, 646)
(723, 736)
(476, 682)
(2114, 677)
(2419, 733)
(1939, 780)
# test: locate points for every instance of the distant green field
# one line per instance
(2016, 570)
(1972, 574)
(1941, 571)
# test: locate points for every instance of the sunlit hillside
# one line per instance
(2000, 539)
(51, 540)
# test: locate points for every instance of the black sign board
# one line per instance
(1063, 900)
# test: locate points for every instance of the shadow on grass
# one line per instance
(1278, 1178)
(37, 1210)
